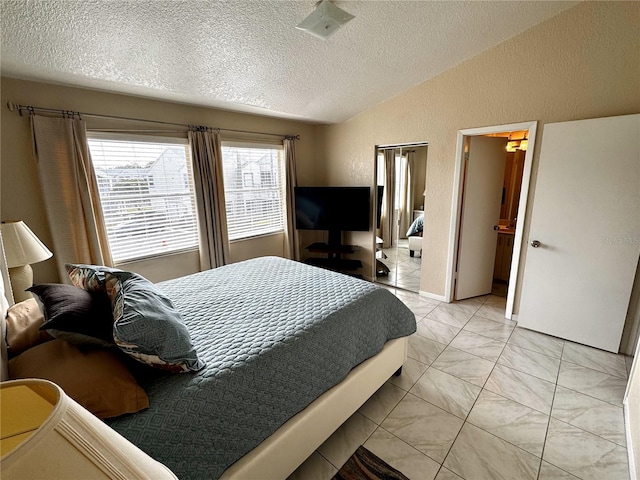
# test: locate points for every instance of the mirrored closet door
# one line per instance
(400, 178)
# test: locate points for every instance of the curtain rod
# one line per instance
(402, 145)
(13, 107)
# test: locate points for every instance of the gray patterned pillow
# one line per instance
(147, 326)
(88, 277)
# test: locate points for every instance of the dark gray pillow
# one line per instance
(75, 315)
(147, 326)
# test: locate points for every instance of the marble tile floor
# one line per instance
(404, 269)
(480, 398)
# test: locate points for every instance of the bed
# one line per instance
(314, 345)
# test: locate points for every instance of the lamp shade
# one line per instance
(46, 434)
(21, 246)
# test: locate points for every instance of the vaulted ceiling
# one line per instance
(246, 55)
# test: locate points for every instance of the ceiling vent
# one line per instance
(324, 20)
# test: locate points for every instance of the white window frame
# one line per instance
(238, 234)
(181, 243)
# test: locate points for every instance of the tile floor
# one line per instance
(404, 269)
(480, 398)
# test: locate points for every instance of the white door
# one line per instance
(482, 197)
(586, 217)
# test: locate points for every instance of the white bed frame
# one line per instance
(289, 446)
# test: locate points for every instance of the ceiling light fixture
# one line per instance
(513, 145)
(324, 20)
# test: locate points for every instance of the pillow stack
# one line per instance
(95, 377)
(146, 325)
(75, 335)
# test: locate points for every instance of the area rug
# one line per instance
(364, 465)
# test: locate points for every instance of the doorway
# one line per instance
(400, 173)
(484, 191)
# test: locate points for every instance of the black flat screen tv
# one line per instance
(335, 209)
(379, 205)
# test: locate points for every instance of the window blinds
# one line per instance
(254, 190)
(146, 190)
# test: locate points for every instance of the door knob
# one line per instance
(535, 244)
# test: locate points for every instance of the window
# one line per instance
(146, 190)
(401, 165)
(253, 188)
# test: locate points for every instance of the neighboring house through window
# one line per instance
(147, 194)
(253, 188)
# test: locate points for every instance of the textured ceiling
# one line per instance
(246, 55)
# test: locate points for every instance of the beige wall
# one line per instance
(21, 197)
(583, 63)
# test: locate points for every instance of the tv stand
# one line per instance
(335, 238)
(333, 260)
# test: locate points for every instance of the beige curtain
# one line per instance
(291, 241)
(70, 192)
(406, 214)
(386, 218)
(206, 155)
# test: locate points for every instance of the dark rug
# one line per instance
(364, 465)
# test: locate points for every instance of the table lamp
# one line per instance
(22, 248)
(46, 434)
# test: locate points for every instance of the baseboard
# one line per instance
(433, 296)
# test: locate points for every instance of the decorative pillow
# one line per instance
(88, 277)
(75, 315)
(23, 326)
(147, 326)
(94, 377)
